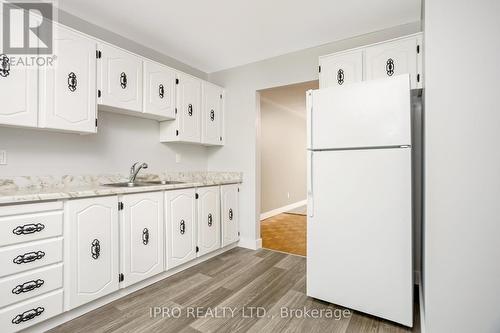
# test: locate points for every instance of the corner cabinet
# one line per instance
(141, 236)
(68, 88)
(91, 245)
(180, 212)
(208, 219)
(386, 59)
(119, 80)
(158, 91)
(212, 118)
(230, 213)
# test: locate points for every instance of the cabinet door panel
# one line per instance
(230, 214)
(181, 234)
(189, 108)
(212, 117)
(159, 90)
(391, 59)
(142, 236)
(208, 219)
(68, 89)
(92, 239)
(120, 79)
(341, 69)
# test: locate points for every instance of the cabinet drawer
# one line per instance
(19, 287)
(24, 228)
(20, 258)
(20, 316)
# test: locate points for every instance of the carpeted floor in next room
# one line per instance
(285, 232)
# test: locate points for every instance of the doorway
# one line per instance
(283, 167)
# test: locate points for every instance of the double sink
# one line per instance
(145, 183)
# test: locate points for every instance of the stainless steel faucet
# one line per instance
(134, 171)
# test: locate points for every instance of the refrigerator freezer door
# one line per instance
(372, 113)
(359, 239)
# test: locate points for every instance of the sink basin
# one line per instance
(126, 184)
(162, 182)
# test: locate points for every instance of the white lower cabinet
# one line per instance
(180, 208)
(91, 249)
(208, 219)
(230, 213)
(142, 236)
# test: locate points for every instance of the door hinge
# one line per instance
(418, 49)
(121, 277)
(220, 96)
(197, 249)
(320, 69)
(220, 138)
(418, 77)
(238, 233)
(95, 122)
(176, 132)
(238, 189)
(196, 195)
(120, 205)
(99, 93)
(175, 110)
(176, 81)
(98, 54)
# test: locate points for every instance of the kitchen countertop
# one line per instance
(29, 189)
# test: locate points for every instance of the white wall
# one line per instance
(241, 83)
(462, 166)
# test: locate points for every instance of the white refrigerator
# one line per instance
(359, 228)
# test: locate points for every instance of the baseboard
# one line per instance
(283, 209)
(252, 244)
(81, 310)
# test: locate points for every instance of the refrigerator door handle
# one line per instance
(309, 107)
(310, 196)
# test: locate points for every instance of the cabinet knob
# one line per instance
(95, 249)
(27, 286)
(27, 315)
(28, 229)
(4, 65)
(340, 76)
(230, 213)
(390, 67)
(212, 115)
(182, 227)
(28, 257)
(210, 220)
(190, 110)
(161, 91)
(123, 80)
(145, 236)
(72, 82)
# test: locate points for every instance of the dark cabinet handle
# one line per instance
(28, 257)
(212, 115)
(161, 91)
(27, 315)
(4, 65)
(230, 213)
(145, 236)
(210, 222)
(390, 67)
(183, 227)
(27, 286)
(190, 110)
(72, 81)
(28, 229)
(123, 80)
(95, 249)
(340, 76)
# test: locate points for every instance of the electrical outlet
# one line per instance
(3, 157)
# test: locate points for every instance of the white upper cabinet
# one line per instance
(142, 237)
(340, 69)
(212, 121)
(187, 125)
(68, 88)
(180, 212)
(159, 91)
(394, 58)
(119, 80)
(230, 214)
(208, 219)
(91, 240)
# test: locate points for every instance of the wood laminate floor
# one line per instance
(285, 233)
(239, 280)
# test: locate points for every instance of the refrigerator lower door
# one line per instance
(359, 238)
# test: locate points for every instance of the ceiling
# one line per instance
(290, 98)
(219, 34)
